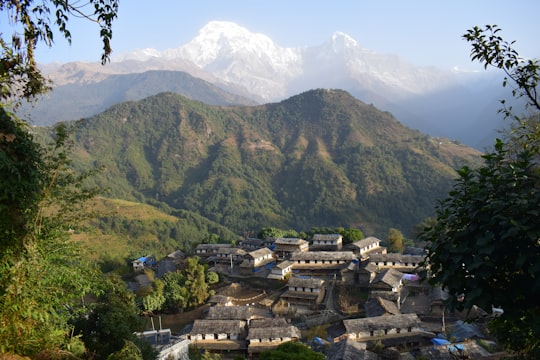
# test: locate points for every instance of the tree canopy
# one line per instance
(43, 274)
(484, 247)
(33, 22)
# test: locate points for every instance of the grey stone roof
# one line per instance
(289, 241)
(323, 255)
(365, 242)
(284, 264)
(402, 321)
(274, 332)
(260, 253)
(312, 283)
(390, 277)
(322, 237)
(378, 306)
(218, 327)
(229, 313)
(350, 350)
(398, 258)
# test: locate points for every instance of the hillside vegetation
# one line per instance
(321, 158)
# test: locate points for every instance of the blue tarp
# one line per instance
(438, 341)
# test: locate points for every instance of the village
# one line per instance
(356, 301)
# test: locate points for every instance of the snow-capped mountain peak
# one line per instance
(342, 41)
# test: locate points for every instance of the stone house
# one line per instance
(281, 270)
(401, 262)
(250, 244)
(267, 334)
(328, 242)
(207, 250)
(229, 255)
(322, 262)
(388, 284)
(220, 335)
(371, 328)
(142, 262)
(285, 247)
(304, 292)
(365, 247)
(256, 260)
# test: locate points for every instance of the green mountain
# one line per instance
(321, 158)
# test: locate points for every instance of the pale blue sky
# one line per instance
(423, 32)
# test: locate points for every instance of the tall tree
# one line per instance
(484, 247)
(395, 240)
(41, 270)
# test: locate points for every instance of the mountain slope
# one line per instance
(83, 99)
(321, 158)
(439, 102)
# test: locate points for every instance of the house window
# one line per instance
(398, 330)
(385, 331)
(409, 329)
(371, 333)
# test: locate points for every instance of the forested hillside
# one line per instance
(321, 158)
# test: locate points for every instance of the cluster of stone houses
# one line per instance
(241, 328)
(395, 310)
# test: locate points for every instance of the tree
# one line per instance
(292, 351)
(20, 77)
(195, 283)
(351, 235)
(111, 321)
(212, 277)
(130, 351)
(395, 241)
(176, 295)
(42, 272)
(484, 247)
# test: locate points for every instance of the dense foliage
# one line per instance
(484, 247)
(292, 351)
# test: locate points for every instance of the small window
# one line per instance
(409, 329)
(398, 330)
(371, 333)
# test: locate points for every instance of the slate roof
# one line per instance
(274, 332)
(350, 350)
(365, 242)
(378, 306)
(230, 313)
(289, 241)
(391, 277)
(327, 237)
(397, 258)
(401, 321)
(217, 326)
(311, 283)
(323, 255)
(260, 253)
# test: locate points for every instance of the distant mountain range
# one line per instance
(448, 103)
(320, 158)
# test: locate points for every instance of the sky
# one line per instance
(423, 32)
